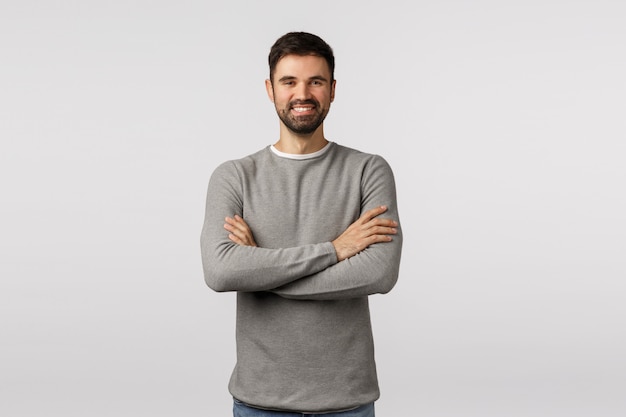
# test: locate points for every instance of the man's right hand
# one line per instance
(367, 230)
(240, 232)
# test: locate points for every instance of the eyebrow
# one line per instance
(291, 77)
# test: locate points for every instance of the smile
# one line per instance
(302, 109)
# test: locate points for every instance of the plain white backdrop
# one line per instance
(504, 122)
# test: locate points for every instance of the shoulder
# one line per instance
(241, 165)
(360, 158)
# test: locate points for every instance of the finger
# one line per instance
(234, 232)
(237, 224)
(240, 219)
(383, 230)
(372, 213)
(232, 226)
(241, 238)
(233, 220)
(236, 239)
(382, 222)
(379, 239)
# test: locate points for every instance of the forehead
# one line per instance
(302, 66)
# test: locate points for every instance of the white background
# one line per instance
(504, 122)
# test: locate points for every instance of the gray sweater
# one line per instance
(303, 331)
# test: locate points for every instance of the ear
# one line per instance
(332, 90)
(270, 90)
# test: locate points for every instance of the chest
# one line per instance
(301, 204)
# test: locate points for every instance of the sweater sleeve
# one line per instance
(372, 271)
(231, 267)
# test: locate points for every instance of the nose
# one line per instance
(302, 91)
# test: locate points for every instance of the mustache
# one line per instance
(295, 103)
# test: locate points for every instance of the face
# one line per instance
(302, 92)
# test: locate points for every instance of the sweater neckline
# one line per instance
(301, 157)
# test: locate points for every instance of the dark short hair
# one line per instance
(301, 43)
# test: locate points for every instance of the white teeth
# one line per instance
(301, 109)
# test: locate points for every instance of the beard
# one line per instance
(302, 125)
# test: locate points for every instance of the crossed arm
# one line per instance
(367, 230)
(362, 260)
(373, 272)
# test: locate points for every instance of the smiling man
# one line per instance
(302, 104)
(304, 230)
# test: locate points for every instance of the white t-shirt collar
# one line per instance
(301, 156)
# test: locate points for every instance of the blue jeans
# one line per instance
(242, 410)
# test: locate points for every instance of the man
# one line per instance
(298, 230)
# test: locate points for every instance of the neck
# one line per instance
(295, 143)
